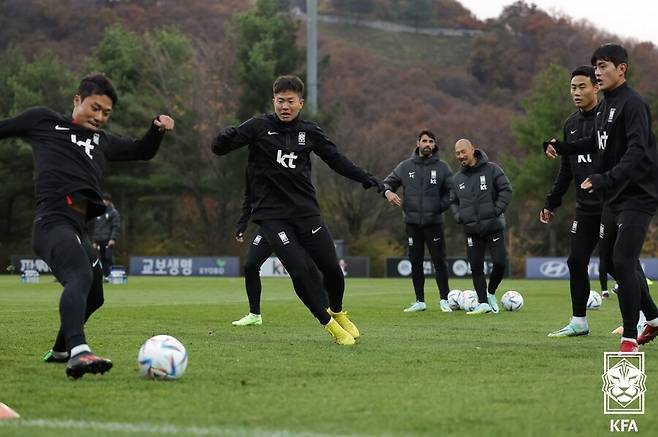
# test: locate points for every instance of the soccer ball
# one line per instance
(512, 301)
(468, 300)
(162, 357)
(594, 301)
(453, 299)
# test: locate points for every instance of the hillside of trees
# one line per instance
(210, 63)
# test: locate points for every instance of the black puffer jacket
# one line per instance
(479, 197)
(426, 183)
(106, 226)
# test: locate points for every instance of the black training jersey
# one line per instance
(576, 168)
(70, 159)
(280, 164)
(626, 149)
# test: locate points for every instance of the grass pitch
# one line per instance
(424, 373)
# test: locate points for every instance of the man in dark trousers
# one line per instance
(284, 203)
(627, 177)
(585, 226)
(70, 154)
(480, 194)
(426, 183)
(106, 231)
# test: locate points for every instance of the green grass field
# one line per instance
(410, 374)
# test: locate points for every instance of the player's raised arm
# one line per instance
(20, 125)
(232, 138)
(341, 164)
(145, 148)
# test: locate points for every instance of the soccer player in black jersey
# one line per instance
(284, 203)
(70, 154)
(627, 177)
(585, 226)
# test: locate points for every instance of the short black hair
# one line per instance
(288, 83)
(98, 84)
(585, 70)
(427, 132)
(610, 52)
(107, 196)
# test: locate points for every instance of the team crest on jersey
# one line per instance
(433, 177)
(284, 238)
(301, 138)
(574, 227)
(611, 114)
(257, 239)
(469, 241)
(411, 241)
(483, 183)
(601, 231)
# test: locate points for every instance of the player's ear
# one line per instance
(77, 100)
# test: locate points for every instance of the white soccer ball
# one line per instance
(594, 300)
(453, 299)
(512, 300)
(468, 300)
(162, 357)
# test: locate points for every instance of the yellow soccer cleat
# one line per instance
(340, 335)
(345, 323)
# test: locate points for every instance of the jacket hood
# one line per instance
(482, 159)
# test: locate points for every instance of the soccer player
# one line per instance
(479, 196)
(628, 178)
(426, 183)
(585, 226)
(284, 203)
(70, 154)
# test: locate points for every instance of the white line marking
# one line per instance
(152, 428)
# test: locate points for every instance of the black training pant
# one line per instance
(623, 235)
(298, 243)
(65, 247)
(584, 237)
(432, 236)
(259, 251)
(106, 255)
(475, 248)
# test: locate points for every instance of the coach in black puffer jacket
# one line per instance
(426, 182)
(480, 194)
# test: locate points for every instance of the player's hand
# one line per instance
(164, 123)
(592, 183)
(549, 148)
(393, 198)
(545, 215)
(111, 243)
(239, 236)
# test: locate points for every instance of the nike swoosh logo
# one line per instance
(58, 127)
(314, 231)
(95, 262)
(436, 239)
(573, 131)
(496, 239)
(269, 132)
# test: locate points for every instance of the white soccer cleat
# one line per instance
(249, 320)
(416, 306)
